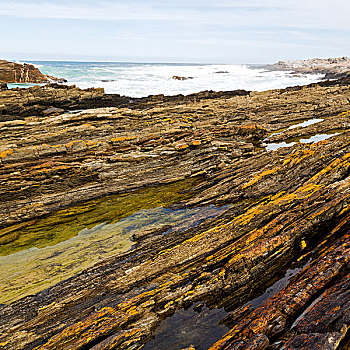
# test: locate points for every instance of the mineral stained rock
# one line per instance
(284, 209)
(11, 72)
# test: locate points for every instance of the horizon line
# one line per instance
(134, 62)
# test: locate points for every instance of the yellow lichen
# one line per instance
(46, 306)
(302, 244)
(6, 153)
(182, 146)
(258, 177)
(123, 138)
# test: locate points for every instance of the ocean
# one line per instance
(144, 79)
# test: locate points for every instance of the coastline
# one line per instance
(284, 208)
(141, 80)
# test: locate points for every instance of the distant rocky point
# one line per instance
(332, 68)
(11, 72)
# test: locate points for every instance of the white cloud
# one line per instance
(317, 14)
(103, 10)
(199, 28)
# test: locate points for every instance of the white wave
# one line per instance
(33, 64)
(139, 80)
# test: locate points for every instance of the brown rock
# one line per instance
(11, 72)
(176, 77)
(36, 101)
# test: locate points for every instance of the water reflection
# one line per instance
(306, 123)
(312, 139)
(41, 265)
(67, 223)
(318, 137)
(189, 327)
(299, 125)
(276, 146)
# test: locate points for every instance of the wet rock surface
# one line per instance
(285, 209)
(11, 72)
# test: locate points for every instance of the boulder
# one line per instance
(176, 77)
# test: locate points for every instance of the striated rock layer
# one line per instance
(11, 72)
(287, 210)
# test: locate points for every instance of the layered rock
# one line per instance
(11, 72)
(39, 101)
(110, 150)
(286, 209)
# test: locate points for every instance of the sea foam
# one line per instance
(139, 80)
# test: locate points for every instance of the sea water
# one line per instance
(144, 79)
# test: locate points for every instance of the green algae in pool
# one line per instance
(67, 223)
(90, 233)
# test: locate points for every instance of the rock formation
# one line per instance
(275, 261)
(332, 68)
(176, 77)
(36, 101)
(11, 72)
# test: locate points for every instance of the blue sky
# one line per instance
(222, 31)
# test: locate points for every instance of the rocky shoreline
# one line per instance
(332, 68)
(62, 147)
(11, 72)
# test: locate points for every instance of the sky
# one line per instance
(199, 31)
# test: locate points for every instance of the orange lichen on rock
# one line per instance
(182, 146)
(6, 153)
(123, 138)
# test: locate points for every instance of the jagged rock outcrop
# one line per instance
(11, 72)
(332, 68)
(275, 260)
